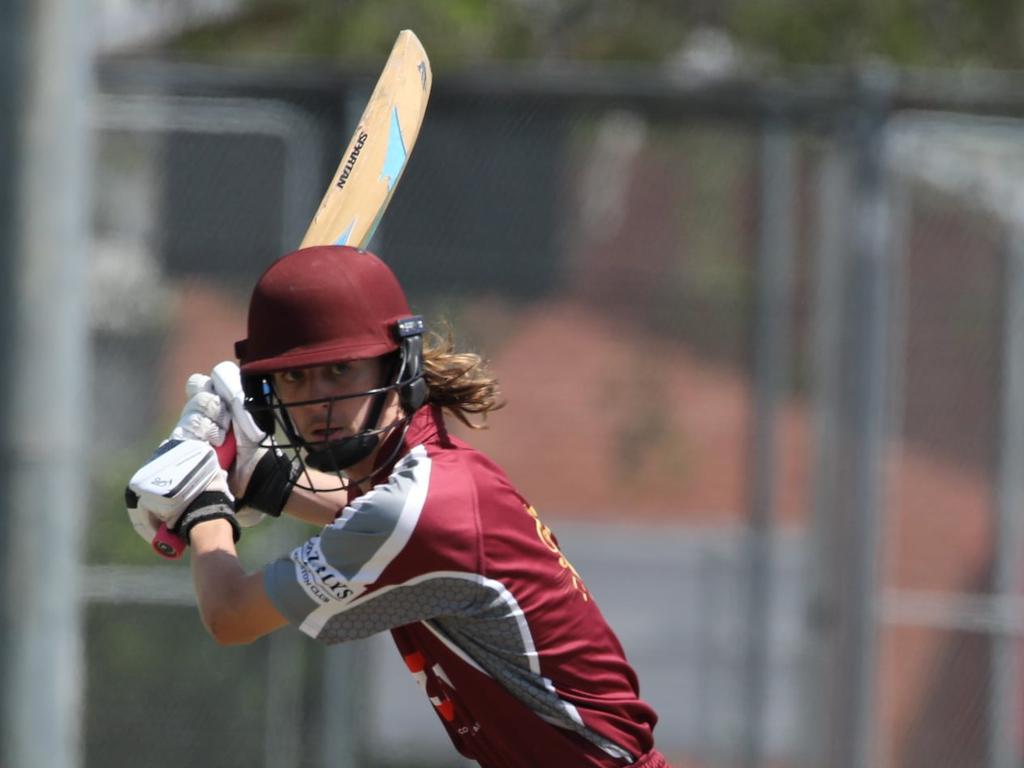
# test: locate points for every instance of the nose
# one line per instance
(319, 386)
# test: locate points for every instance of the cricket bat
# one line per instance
(363, 184)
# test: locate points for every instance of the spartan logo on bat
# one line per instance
(353, 156)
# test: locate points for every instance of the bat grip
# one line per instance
(169, 544)
(227, 450)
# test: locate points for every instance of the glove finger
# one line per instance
(195, 426)
(212, 407)
(197, 382)
(245, 423)
(227, 382)
(199, 412)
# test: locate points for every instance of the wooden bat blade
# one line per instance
(378, 151)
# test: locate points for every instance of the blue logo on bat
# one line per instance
(343, 237)
(396, 156)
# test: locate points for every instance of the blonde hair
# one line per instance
(459, 382)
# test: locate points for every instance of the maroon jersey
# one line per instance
(489, 616)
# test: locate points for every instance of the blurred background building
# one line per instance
(751, 276)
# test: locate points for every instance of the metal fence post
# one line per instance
(44, 461)
(862, 435)
(821, 618)
(771, 364)
(1004, 716)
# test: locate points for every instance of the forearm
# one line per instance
(233, 604)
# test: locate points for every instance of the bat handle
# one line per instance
(227, 450)
(171, 545)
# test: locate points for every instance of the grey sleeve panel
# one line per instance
(348, 550)
(367, 523)
(285, 592)
(484, 625)
(494, 640)
(391, 608)
(328, 573)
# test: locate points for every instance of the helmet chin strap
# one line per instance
(343, 453)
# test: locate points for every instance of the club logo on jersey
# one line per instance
(322, 582)
(547, 538)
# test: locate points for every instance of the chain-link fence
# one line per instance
(761, 346)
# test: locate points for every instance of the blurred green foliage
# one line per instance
(149, 699)
(777, 33)
(111, 538)
(941, 33)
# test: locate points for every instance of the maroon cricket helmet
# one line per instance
(322, 305)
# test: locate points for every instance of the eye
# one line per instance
(290, 377)
(338, 369)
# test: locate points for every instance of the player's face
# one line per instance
(334, 419)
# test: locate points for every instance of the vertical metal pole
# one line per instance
(862, 437)
(288, 650)
(282, 737)
(1004, 715)
(344, 703)
(12, 23)
(898, 203)
(709, 605)
(343, 706)
(822, 599)
(771, 363)
(44, 461)
(11, 68)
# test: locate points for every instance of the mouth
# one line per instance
(326, 434)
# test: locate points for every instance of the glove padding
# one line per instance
(215, 503)
(181, 485)
(205, 415)
(262, 476)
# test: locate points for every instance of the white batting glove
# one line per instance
(180, 485)
(205, 415)
(143, 520)
(214, 503)
(262, 476)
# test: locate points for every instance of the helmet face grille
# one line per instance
(403, 372)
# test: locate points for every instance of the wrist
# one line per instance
(211, 533)
(208, 506)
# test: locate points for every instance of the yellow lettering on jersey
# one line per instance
(548, 540)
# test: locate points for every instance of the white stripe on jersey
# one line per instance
(506, 597)
(416, 462)
(569, 710)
